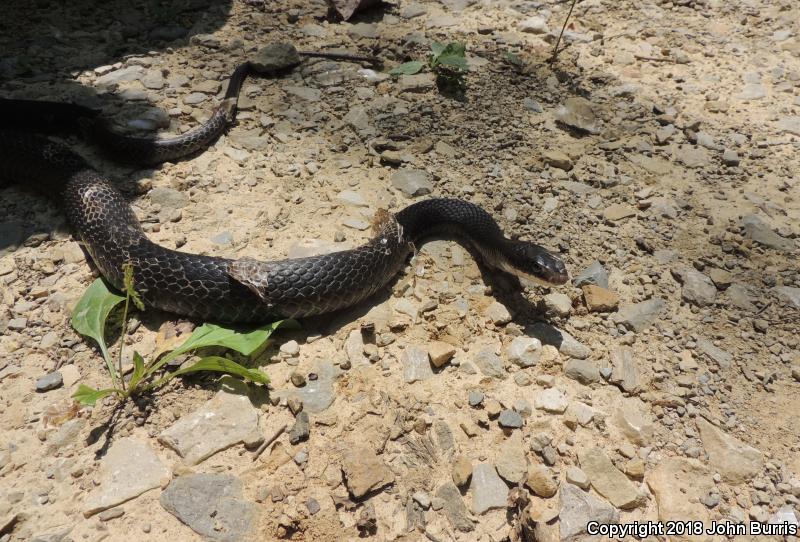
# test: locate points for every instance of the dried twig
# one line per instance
(560, 34)
(269, 441)
(655, 59)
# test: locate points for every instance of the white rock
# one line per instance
(534, 25)
(227, 419)
(129, 469)
(524, 351)
(551, 400)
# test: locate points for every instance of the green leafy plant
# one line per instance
(448, 62)
(90, 319)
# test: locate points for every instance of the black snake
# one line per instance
(244, 290)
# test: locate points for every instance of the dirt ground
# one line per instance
(659, 156)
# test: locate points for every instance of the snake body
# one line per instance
(244, 290)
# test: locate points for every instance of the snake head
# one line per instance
(533, 263)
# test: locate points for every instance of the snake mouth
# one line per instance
(532, 264)
(544, 277)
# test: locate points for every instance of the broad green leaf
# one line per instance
(91, 313)
(408, 68)
(129, 289)
(213, 335)
(454, 56)
(223, 365)
(437, 49)
(89, 396)
(513, 58)
(138, 370)
(243, 342)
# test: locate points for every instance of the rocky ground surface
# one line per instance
(658, 155)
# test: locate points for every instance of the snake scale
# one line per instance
(221, 289)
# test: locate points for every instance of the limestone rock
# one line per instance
(227, 419)
(130, 468)
(540, 480)
(212, 505)
(511, 461)
(454, 508)
(487, 488)
(608, 480)
(599, 299)
(364, 472)
(578, 508)
(733, 459)
(678, 485)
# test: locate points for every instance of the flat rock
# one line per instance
(609, 481)
(551, 400)
(211, 505)
(578, 113)
(227, 419)
(598, 299)
(578, 413)
(692, 157)
(498, 313)
(558, 303)
(420, 82)
(317, 395)
(364, 471)
(577, 477)
(582, 370)
(454, 508)
(563, 341)
(168, 197)
(733, 459)
(594, 274)
(752, 91)
(639, 316)
(274, 57)
(557, 159)
(510, 419)
(309, 94)
(623, 369)
(524, 351)
(129, 468)
(364, 30)
(718, 355)
(698, 288)
(759, 231)
(490, 363)
(440, 352)
(300, 429)
(533, 25)
(678, 485)
(789, 124)
(632, 418)
(488, 489)
(540, 480)
(50, 381)
(416, 364)
(618, 211)
(511, 462)
(740, 297)
(412, 182)
(578, 508)
(129, 73)
(789, 295)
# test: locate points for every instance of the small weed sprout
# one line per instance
(448, 62)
